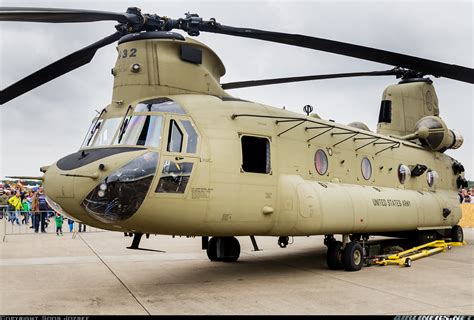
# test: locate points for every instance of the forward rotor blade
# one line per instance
(59, 15)
(264, 82)
(435, 68)
(56, 69)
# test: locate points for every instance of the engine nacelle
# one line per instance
(438, 137)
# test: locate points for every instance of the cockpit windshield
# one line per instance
(101, 132)
(141, 125)
(143, 130)
(106, 132)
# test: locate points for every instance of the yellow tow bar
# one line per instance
(405, 258)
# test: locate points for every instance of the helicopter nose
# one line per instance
(59, 191)
(108, 190)
(119, 195)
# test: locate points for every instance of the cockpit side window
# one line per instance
(175, 138)
(174, 177)
(192, 136)
(160, 105)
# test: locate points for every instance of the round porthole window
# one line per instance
(366, 168)
(404, 173)
(321, 162)
(431, 177)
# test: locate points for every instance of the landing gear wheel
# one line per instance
(230, 249)
(457, 234)
(334, 255)
(212, 249)
(225, 249)
(353, 256)
(283, 241)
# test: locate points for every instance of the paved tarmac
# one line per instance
(94, 274)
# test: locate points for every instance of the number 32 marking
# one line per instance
(126, 54)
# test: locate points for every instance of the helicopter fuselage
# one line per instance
(175, 154)
(241, 173)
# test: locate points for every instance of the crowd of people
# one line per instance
(466, 195)
(29, 205)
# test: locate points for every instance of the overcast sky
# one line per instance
(50, 122)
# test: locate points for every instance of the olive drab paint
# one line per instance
(292, 198)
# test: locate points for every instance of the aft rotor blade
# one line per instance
(264, 82)
(55, 15)
(25, 178)
(56, 69)
(435, 68)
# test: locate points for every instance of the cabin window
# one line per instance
(385, 114)
(431, 177)
(160, 105)
(175, 138)
(255, 154)
(321, 162)
(404, 173)
(174, 177)
(141, 131)
(192, 136)
(366, 168)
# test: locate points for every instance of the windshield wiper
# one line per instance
(124, 125)
(96, 126)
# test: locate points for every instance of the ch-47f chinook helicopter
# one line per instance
(176, 154)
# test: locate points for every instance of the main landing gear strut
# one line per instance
(348, 255)
(137, 236)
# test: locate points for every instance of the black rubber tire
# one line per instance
(231, 249)
(408, 262)
(457, 234)
(212, 249)
(353, 256)
(334, 255)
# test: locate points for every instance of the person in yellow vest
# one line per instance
(15, 202)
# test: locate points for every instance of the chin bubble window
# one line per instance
(404, 173)
(321, 162)
(366, 168)
(120, 194)
(431, 177)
